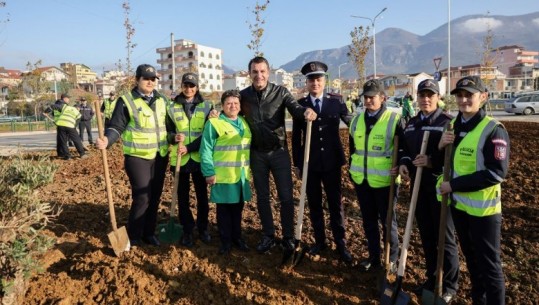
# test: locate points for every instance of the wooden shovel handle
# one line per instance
(411, 212)
(306, 153)
(106, 167)
(176, 181)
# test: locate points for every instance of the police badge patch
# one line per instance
(500, 152)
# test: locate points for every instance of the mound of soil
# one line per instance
(82, 268)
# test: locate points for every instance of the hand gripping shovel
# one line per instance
(428, 297)
(118, 237)
(384, 273)
(171, 231)
(396, 296)
(299, 251)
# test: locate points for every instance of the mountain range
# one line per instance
(399, 51)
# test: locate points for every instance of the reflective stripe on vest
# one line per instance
(468, 159)
(191, 128)
(146, 133)
(67, 117)
(231, 153)
(372, 156)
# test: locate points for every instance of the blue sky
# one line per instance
(92, 32)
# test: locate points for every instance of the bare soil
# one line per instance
(82, 268)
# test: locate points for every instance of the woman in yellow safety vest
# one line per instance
(225, 153)
(480, 162)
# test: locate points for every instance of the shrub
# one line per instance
(23, 217)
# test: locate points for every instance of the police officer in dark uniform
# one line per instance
(480, 162)
(87, 113)
(325, 160)
(427, 213)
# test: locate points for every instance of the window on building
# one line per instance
(202, 75)
(170, 66)
(190, 54)
(169, 55)
(201, 53)
(202, 65)
(210, 66)
(216, 56)
(170, 87)
(211, 76)
(218, 67)
(218, 87)
(211, 87)
(218, 76)
(170, 76)
(209, 55)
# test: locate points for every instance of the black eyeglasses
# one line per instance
(153, 79)
(189, 85)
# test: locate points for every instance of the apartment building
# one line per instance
(189, 56)
(81, 76)
(281, 77)
(238, 80)
(514, 60)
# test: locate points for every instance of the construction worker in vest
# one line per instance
(427, 213)
(480, 162)
(108, 107)
(139, 119)
(65, 119)
(371, 146)
(350, 105)
(225, 159)
(188, 114)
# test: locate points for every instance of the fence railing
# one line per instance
(18, 126)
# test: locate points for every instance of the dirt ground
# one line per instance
(82, 269)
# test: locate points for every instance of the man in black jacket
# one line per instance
(87, 113)
(326, 158)
(263, 106)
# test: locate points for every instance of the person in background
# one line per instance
(325, 160)
(65, 119)
(407, 107)
(350, 105)
(108, 107)
(480, 163)
(225, 156)
(188, 114)
(371, 148)
(87, 113)
(427, 212)
(263, 105)
(139, 119)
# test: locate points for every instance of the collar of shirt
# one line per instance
(145, 97)
(373, 114)
(313, 100)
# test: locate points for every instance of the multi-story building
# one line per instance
(281, 77)
(189, 56)
(298, 79)
(515, 61)
(9, 79)
(52, 74)
(81, 76)
(238, 80)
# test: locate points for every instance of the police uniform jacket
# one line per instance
(410, 145)
(86, 112)
(326, 151)
(264, 111)
(495, 153)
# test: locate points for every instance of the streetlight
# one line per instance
(340, 81)
(373, 20)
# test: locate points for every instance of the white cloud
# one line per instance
(536, 21)
(478, 25)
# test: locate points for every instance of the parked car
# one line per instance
(525, 104)
(391, 105)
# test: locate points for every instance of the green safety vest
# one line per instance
(109, 107)
(372, 157)
(191, 128)
(67, 117)
(146, 133)
(349, 106)
(468, 159)
(231, 153)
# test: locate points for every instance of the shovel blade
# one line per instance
(430, 298)
(169, 232)
(387, 297)
(299, 254)
(119, 241)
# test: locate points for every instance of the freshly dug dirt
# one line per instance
(82, 269)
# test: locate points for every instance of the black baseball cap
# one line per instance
(471, 84)
(314, 69)
(146, 71)
(64, 95)
(191, 78)
(428, 84)
(373, 87)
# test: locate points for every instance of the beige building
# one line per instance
(189, 56)
(81, 76)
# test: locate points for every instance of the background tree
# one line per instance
(361, 44)
(256, 28)
(489, 57)
(129, 81)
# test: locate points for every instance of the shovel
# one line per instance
(299, 250)
(171, 231)
(429, 297)
(118, 237)
(384, 273)
(397, 296)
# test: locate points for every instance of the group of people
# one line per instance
(248, 139)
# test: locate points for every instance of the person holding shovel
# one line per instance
(188, 114)
(480, 164)
(139, 119)
(326, 157)
(427, 211)
(225, 160)
(371, 145)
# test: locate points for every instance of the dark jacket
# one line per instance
(326, 151)
(86, 112)
(264, 111)
(410, 145)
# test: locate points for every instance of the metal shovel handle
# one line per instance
(303, 192)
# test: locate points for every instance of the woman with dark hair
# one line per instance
(188, 114)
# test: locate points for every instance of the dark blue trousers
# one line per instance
(479, 239)
(373, 203)
(201, 190)
(229, 217)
